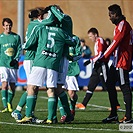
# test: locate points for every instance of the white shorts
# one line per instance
(27, 64)
(51, 80)
(63, 70)
(37, 76)
(71, 83)
(8, 74)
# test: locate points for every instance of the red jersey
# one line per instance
(121, 46)
(99, 48)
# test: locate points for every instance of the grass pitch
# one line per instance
(86, 121)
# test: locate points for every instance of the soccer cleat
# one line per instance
(63, 119)
(69, 119)
(110, 119)
(4, 110)
(54, 121)
(25, 120)
(80, 106)
(125, 120)
(118, 108)
(48, 122)
(36, 120)
(16, 116)
(9, 107)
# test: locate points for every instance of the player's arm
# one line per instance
(32, 40)
(49, 19)
(58, 14)
(18, 53)
(100, 51)
(116, 41)
(78, 53)
(19, 49)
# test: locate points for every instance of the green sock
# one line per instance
(22, 102)
(10, 96)
(29, 105)
(65, 104)
(62, 111)
(4, 98)
(51, 107)
(34, 105)
(55, 108)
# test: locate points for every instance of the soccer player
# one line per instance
(71, 84)
(36, 16)
(123, 49)
(10, 49)
(99, 73)
(66, 25)
(51, 41)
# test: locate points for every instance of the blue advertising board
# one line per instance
(83, 78)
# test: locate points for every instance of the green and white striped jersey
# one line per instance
(51, 42)
(10, 48)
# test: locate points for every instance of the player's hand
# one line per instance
(97, 64)
(47, 8)
(87, 62)
(13, 62)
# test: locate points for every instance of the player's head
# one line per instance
(114, 13)
(108, 41)
(93, 34)
(40, 12)
(82, 42)
(7, 25)
(36, 13)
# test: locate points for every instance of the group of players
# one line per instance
(52, 52)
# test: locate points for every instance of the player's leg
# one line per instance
(36, 78)
(12, 87)
(4, 92)
(111, 81)
(72, 87)
(64, 101)
(127, 94)
(51, 82)
(4, 95)
(94, 81)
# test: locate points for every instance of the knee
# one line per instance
(50, 92)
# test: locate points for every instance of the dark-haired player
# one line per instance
(10, 49)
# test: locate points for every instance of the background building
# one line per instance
(85, 14)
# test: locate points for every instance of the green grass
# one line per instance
(88, 120)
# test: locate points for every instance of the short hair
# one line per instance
(93, 30)
(82, 40)
(34, 13)
(8, 20)
(108, 40)
(115, 9)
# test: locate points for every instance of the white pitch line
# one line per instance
(103, 107)
(93, 105)
(57, 127)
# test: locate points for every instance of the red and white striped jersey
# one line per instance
(121, 46)
(99, 48)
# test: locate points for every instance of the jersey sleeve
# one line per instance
(19, 49)
(77, 47)
(49, 19)
(57, 13)
(100, 49)
(119, 34)
(32, 40)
